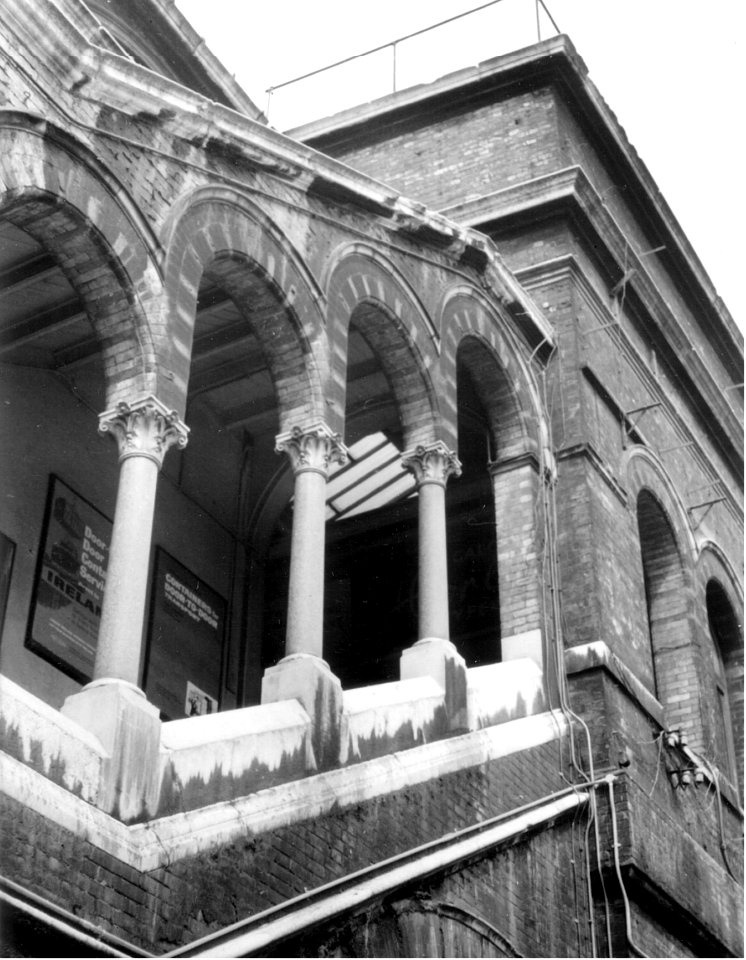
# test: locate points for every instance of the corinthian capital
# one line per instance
(311, 448)
(433, 463)
(143, 428)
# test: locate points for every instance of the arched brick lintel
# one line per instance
(668, 555)
(713, 564)
(220, 225)
(364, 285)
(53, 193)
(511, 399)
(642, 470)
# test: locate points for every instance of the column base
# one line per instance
(433, 657)
(129, 728)
(309, 680)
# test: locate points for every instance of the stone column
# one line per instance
(144, 430)
(434, 654)
(112, 706)
(302, 674)
(432, 466)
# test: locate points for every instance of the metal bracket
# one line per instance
(628, 425)
(677, 446)
(708, 504)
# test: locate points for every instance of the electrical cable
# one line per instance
(552, 536)
(618, 867)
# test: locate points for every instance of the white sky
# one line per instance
(671, 70)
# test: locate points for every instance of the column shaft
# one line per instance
(123, 609)
(432, 465)
(433, 563)
(305, 624)
(144, 430)
(311, 450)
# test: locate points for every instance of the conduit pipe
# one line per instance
(65, 923)
(618, 867)
(253, 936)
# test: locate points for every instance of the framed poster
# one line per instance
(185, 641)
(7, 552)
(69, 585)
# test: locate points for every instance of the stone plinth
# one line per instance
(309, 680)
(433, 657)
(129, 729)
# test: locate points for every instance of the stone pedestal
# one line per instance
(433, 657)
(524, 645)
(129, 728)
(309, 680)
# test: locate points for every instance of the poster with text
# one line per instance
(185, 643)
(69, 589)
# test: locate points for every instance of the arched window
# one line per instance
(727, 662)
(664, 597)
(676, 658)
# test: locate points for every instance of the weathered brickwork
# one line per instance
(254, 287)
(186, 899)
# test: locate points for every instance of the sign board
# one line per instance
(7, 552)
(70, 579)
(185, 643)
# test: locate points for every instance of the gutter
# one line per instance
(252, 937)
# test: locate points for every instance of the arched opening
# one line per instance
(60, 349)
(665, 600)
(370, 596)
(726, 651)
(219, 486)
(470, 506)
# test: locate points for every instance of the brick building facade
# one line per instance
(459, 672)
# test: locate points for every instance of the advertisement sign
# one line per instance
(185, 644)
(7, 552)
(69, 589)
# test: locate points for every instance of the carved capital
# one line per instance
(433, 463)
(143, 428)
(312, 449)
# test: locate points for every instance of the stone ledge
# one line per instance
(595, 655)
(389, 717)
(502, 692)
(227, 756)
(47, 741)
(224, 755)
(146, 846)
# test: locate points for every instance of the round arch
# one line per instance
(55, 192)
(364, 288)
(666, 588)
(643, 469)
(478, 347)
(218, 231)
(510, 397)
(720, 604)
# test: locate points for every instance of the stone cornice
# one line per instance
(102, 77)
(571, 186)
(554, 61)
(567, 266)
(589, 452)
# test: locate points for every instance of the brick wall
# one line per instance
(177, 903)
